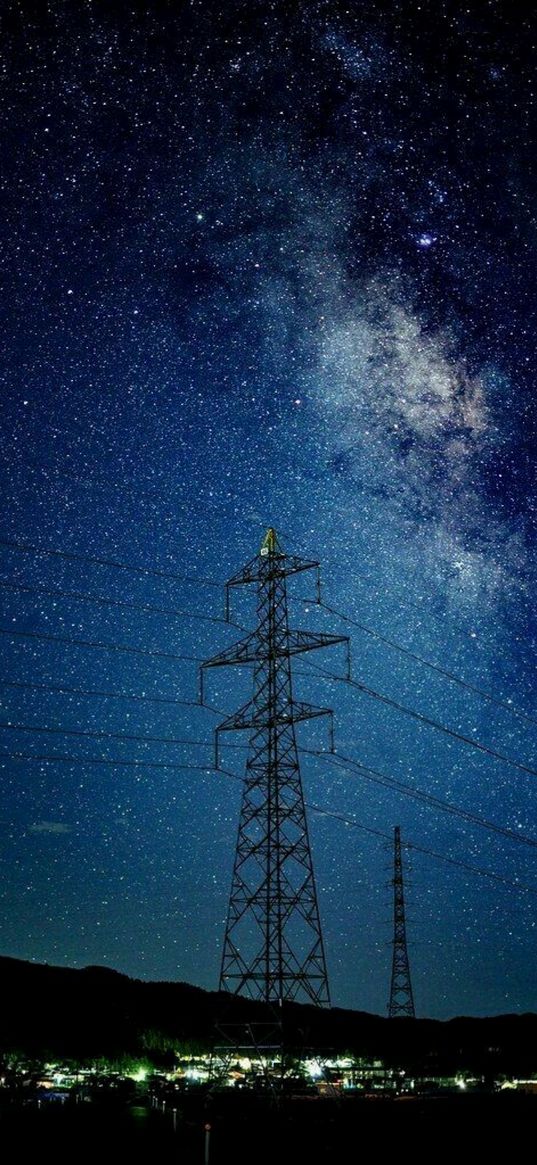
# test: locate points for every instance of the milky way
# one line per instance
(268, 264)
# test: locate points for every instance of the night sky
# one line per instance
(263, 264)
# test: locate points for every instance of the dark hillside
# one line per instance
(84, 1014)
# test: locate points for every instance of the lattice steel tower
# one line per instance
(273, 946)
(401, 997)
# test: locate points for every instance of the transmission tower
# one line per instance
(273, 946)
(401, 997)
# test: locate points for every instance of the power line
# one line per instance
(420, 849)
(29, 548)
(377, 778)
(153, 572)
(178, 613)
(154, 491)
(351, 821)
(101, 483)
(337, 759)
(426, 662)
(116, 762)
(471, 869)
(64, 690)
(98, 735)
(439, 616)
(422, 719)
(379, 696)
(94, 643)
(101, 600)
(419, 716)
(45, 758)
(333, 758)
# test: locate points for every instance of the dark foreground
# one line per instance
(306, 1131)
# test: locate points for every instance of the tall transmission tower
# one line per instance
(401, 997)
(273, 945)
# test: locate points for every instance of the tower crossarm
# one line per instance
(245, 651)
(252, 649)
(271, 564)
(250, 716)
(298, 641)
(282, 566)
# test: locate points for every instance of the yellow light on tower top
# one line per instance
(270, 543)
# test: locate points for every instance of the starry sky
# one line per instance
(269, 263)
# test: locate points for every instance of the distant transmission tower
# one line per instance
(273, 945)
(401, 997)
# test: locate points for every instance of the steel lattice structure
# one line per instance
(401, 997)
(273, 946)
